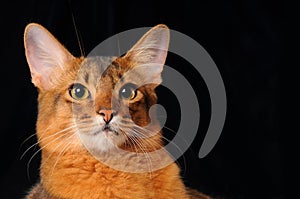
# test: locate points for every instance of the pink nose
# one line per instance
(107, 115)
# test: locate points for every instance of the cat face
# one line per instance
(110, 103)
(98, 103)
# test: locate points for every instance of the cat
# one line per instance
(88, 107)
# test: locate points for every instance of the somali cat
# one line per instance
(90, 112)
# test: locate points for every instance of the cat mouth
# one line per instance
(107, 129)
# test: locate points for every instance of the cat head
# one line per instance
(95, 102)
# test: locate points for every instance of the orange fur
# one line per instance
(77, 174)
(68, 170)
(81, 176)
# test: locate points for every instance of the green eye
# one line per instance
(79, 92)
(128, 91)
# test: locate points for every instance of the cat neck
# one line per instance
(75, 175)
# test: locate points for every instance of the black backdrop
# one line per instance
(244, 40)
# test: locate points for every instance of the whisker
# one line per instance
(81, 48)
(28, 150)
(150, 142)
(34, 135)
(163, 137)
(28, 138)
(59, 145)
(141, 132)
(63, 132)
(183, 157)
(135, 149)
(130, 123)
(177, 147)
(149, 161)
(171, 130)
(62, 152)
(141, 147)
(50, 136)
(28, 164)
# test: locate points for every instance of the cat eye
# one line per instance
(128, 91)
(79, 92)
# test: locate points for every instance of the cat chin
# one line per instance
(101, 142)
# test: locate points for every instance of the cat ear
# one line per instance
(151, 49)
(46, 57)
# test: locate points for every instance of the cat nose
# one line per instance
(107, 115)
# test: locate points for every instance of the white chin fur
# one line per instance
(97, 143)
(103, 141)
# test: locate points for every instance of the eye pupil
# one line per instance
(128, 91)
(78, 92)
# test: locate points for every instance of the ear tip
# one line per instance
(163, 26)
(32, 28)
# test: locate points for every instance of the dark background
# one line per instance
(244, 39)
